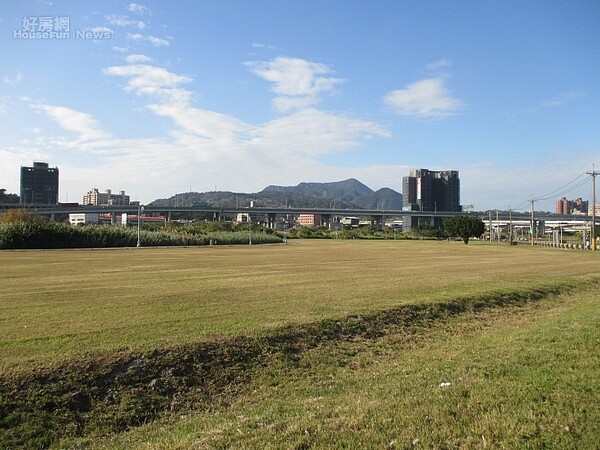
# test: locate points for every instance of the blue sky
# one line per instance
(157, 98)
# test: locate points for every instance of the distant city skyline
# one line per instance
(422, 190)
(161, 98)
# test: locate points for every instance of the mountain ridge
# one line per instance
(349, 193)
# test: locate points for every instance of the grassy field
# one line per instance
(516, 378)
(343, 344)
(56, 305)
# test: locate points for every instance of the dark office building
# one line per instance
(39, 184)
(428, 190)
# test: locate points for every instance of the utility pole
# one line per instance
(499, 232)
(533, 231)
(593, 173)
(510, 226)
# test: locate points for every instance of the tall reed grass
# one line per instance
(36, 235)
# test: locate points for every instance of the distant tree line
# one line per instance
(8, 198)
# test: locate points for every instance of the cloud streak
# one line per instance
(83, 125)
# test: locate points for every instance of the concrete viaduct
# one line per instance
(377, 216)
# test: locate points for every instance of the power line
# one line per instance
(566, 188)
(575, 183)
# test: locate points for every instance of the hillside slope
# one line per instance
(349, 193)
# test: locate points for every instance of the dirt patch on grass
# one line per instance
(111, 394)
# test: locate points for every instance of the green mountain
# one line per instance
(349, 193)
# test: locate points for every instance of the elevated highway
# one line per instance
(377, 215)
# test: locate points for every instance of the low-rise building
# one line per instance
(95, 198)
(84, 218)
(309, 220)
(352, 222)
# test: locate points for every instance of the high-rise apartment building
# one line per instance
(577, 206)
(562, 206)
(430, 190)
(39, 184)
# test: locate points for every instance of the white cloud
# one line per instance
(425, 98)
(157, 42)
(137, 8)
(13, 80)
(216, 127)
(298, 83)
(308, 131)
(104, 30)
(121, 20)
(439, 64)
(153, 40)
(144, 79)
(312, 133)
(286, 104)
(136, 59)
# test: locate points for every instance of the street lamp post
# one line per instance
(140, 211)
(249, 230)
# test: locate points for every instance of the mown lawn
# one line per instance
(314, 344)
(56, 305)
(525, 377)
